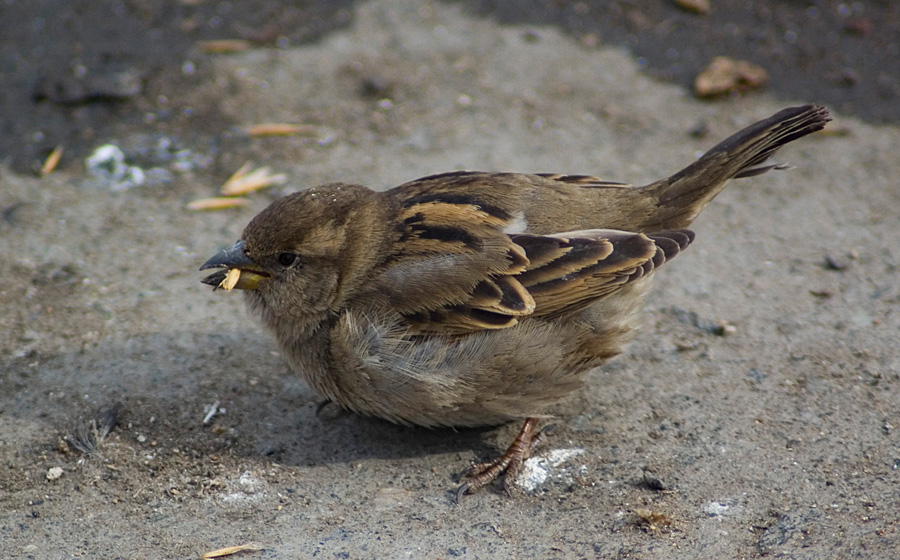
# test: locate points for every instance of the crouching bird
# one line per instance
(470, 298)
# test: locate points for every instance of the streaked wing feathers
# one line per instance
(598, 263)
(564, 274)
(454, 270)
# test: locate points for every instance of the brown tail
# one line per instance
(683, 195)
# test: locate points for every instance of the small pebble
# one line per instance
(836, 263)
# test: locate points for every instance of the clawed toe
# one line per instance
(509, 465)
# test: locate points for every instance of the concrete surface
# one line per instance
(779, 439)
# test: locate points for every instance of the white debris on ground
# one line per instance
(247, 488)
(107, 163)
(163, 158)
(54, 472)
(537, 470)
(719, 509)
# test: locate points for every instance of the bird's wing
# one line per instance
(569, 270)
(451, 253)
(455, 269)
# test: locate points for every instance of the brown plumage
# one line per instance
(469, 298)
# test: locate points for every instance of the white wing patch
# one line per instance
(518, 224)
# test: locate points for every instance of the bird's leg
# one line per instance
(508, 465)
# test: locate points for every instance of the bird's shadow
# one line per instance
(211, 394)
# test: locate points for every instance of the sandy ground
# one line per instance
(778, 439)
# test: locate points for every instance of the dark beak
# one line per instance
(233, 258)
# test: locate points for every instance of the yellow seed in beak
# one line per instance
(231, 279)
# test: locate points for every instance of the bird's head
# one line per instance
(305, 253)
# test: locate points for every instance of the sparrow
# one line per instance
(474, 298)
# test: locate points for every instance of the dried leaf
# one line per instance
(281, 129)
(216, 203)
(229, 550)
(52, 161)
(700, 7)
(725, 75)
(652, 519)
(245, 181)
(224, 45)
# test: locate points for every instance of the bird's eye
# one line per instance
(287, 259)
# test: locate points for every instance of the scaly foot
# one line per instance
(509, 464)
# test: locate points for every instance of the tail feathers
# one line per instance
(683, 195)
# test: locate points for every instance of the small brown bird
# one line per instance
(469, 298)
